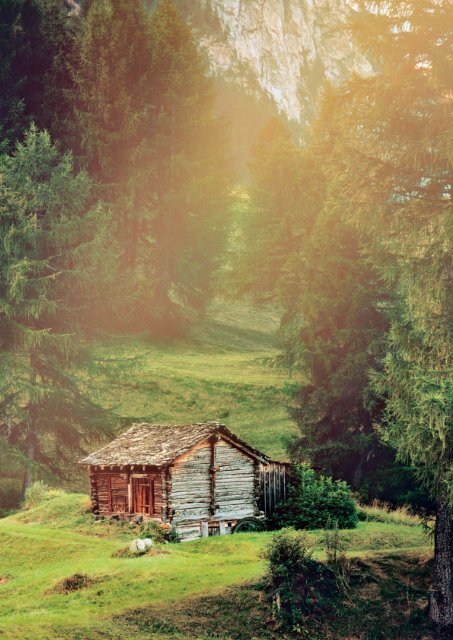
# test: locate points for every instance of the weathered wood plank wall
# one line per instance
(190, 495)
(273, 483)
(235, 483)
(205, 491)
(111, 491)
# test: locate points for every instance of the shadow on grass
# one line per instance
(387, 601)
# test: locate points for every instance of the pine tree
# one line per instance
(36, 39)
(286, 189)
(145, 129)
(333, 312)
(188, 178)
(297, 251)
(392, 139)
(112, 101)
(51, 258)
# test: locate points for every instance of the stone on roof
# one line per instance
(158, 445)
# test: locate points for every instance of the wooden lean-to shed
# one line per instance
(199, 478)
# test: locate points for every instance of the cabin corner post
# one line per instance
(213, 471)
(163, 480)
(168, 494)
(130, 502)
(93, 491)
(257, 490)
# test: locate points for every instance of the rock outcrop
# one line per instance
(282, 50)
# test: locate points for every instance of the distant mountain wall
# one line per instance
(281, 49)
(272, 57)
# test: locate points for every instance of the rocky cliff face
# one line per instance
(282, 50)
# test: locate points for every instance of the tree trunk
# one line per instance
(31, 426)
(28, 478)
(441, 595)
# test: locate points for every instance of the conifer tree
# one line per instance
(338, 311)
(285, 194)
(36, 38)
(112, 100)
(392, 175)
(51, 258)
(188, 178)
(299, 252)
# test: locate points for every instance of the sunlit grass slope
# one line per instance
(221, 371)
(58, 538)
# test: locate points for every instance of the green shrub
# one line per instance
(296, 584)
(35, 494)
(314, 502)
(38, 493)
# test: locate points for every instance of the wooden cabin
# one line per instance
(199, 478)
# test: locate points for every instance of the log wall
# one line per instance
(190, 489)
(234, 483)
(111, 490)
(204, 492)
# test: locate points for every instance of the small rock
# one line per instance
(140, 545)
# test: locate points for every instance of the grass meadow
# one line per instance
(160, 596)
(221, 371)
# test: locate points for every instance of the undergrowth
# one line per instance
(381, 512)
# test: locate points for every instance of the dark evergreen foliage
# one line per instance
(189, 177)
(51, 253)
(391, 174)
(285, 195)
(144, 126)
(36, 39)
(297, 249)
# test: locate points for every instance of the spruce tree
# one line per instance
(339, 314)
(112, 101)
(392, 175)
(188, 177)
(297, 251)
(285, 194)
(51, 260)
(36, 38)
(144, 127)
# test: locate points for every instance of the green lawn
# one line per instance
(221, 371)
(57, 539)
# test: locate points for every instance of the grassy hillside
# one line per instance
(167, 595)
(221, 371)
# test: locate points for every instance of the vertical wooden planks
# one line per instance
(273, 483)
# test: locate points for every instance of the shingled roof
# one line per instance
(158, 445)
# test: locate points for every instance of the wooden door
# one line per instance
(143, 495)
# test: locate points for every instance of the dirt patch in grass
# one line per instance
(386, 601)
(73, 583)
